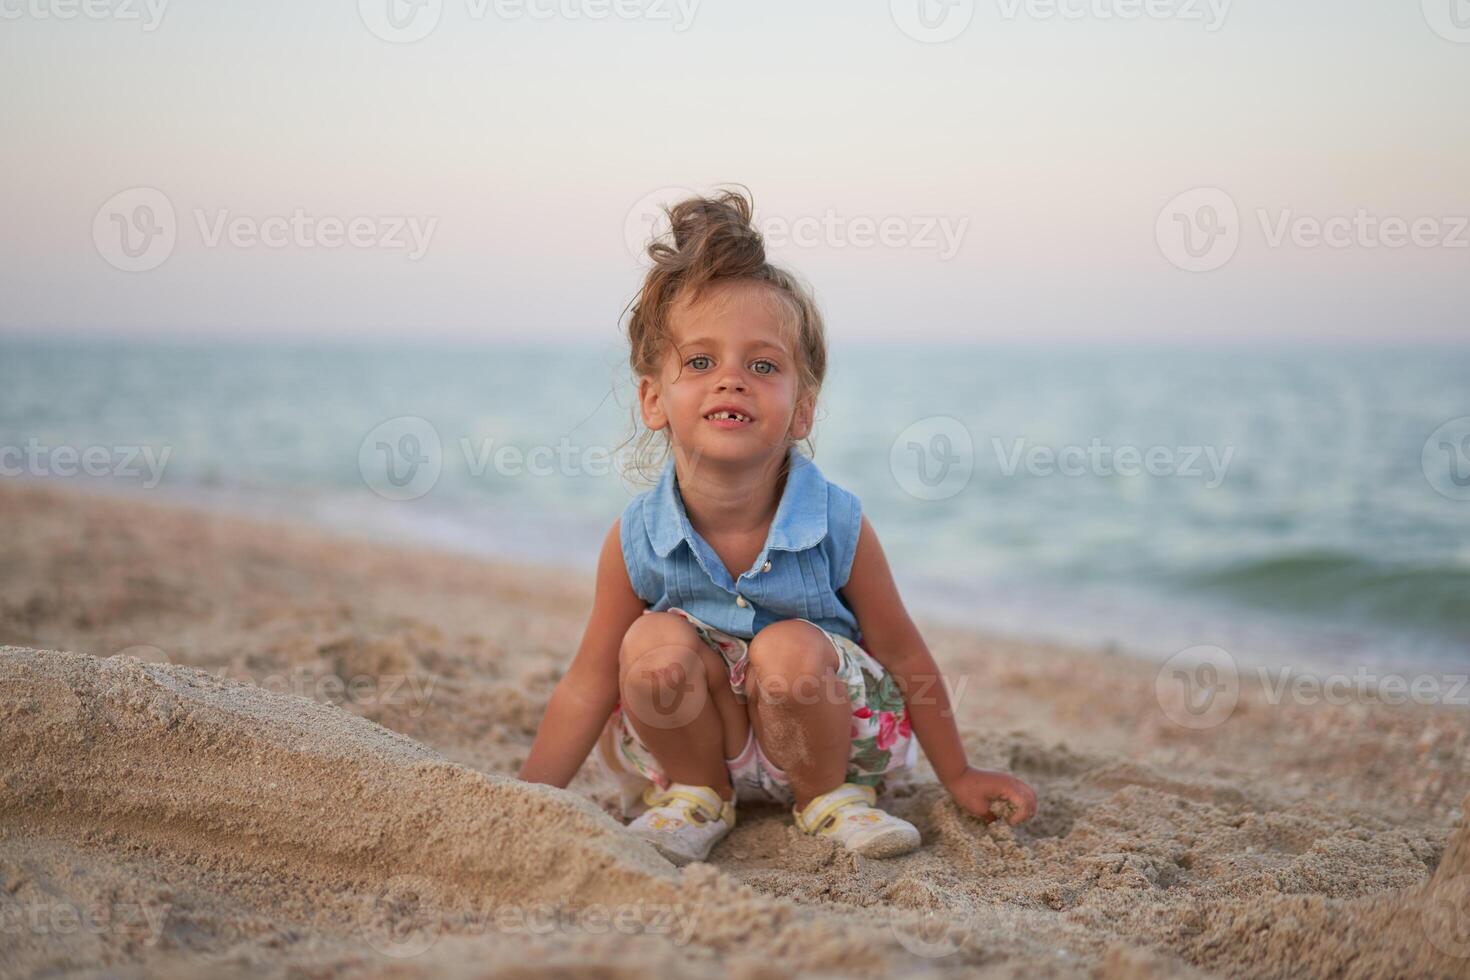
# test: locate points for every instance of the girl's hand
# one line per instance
(975, 789)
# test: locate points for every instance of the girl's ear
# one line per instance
(801, 420)
(650, 404)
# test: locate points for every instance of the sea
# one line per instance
(1306, 506)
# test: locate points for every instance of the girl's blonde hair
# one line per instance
(711, 240)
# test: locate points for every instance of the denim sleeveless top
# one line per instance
(806, 559)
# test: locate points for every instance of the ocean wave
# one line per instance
(1323, 583)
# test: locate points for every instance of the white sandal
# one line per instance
(684, 822)
(847, 815)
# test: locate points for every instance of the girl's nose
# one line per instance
(731, 381)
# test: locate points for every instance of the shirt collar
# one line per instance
(800, 521)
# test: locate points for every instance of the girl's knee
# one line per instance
(792, 648)
(660, 634)
(671, 666)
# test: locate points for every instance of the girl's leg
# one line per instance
(800, 707)
(676, 695)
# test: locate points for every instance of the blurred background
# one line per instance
(1148, 321)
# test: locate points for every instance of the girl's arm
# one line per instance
(890, 636)
(586, 694)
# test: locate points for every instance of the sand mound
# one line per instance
(1420, 931)
(173, 756)
(363, 831)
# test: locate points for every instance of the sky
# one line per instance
(991, 171)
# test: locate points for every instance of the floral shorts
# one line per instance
(882, 744)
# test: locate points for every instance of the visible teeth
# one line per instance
(728, 415)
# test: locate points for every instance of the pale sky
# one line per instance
(520, 147)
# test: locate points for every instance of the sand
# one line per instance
(243, 747)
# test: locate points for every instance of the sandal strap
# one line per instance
(824, 806)
(654, 796)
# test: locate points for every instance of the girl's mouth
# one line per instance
(729, 420)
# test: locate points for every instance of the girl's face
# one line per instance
(730, 358)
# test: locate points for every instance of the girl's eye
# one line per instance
(694, 362)
(764, 367)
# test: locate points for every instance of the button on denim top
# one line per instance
(810, 547)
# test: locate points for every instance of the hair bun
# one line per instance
(711, 238)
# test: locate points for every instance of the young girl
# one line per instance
(746, 640)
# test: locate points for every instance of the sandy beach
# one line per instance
(257, 748)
